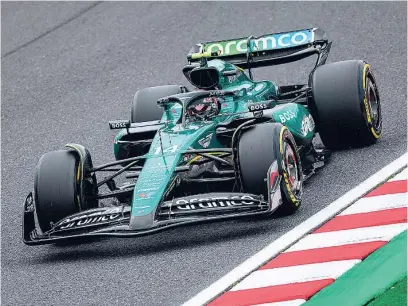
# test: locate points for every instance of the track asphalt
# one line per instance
(68, 68)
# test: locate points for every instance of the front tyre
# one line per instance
(56, 187)
(258, 148)
(346, 104)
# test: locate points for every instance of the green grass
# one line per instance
(396, 295)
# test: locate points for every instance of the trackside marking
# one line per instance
(343, 252)
(295, 274)
(402, 176)
(389, 188)
(286, 303)
(375, 218)
(271, 294)
(358, 235)
(263, 295)
(377, 203)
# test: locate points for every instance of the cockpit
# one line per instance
(203, 109)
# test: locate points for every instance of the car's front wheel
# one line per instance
(56, 187)
(258, 148)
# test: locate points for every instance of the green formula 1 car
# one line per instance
(230, 147)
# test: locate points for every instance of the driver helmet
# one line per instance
(204, 110)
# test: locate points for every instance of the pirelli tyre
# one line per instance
(56, 187)
(144, 106)
(346, 104)
(258, 148)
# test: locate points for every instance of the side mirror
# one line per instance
(204, 77)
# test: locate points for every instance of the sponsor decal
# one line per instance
(94, 218)
(119, 124)
(155, 181)
(148, 189)
(143, 195)
(266, 42)
(258, 106)
(273, 176)
(286, 116)
(205, 142)
(217, 93)
(213, 202)
(308, 125)
(274, 185)
(220, 93)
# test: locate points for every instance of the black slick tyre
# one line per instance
(56, 187)
(144, 106)
(258, 148)
(346, 104)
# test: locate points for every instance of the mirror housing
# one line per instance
(204, 77)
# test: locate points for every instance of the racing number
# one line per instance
(171, 149)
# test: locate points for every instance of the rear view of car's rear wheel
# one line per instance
(258, 148)
(56, 187)
(346, 104)
(144, 106)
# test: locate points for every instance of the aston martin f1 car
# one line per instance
(230, 147)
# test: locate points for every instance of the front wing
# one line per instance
(114, 221)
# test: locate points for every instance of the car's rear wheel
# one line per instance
(144, 106)
(346, 104)
(258, 148)
(56, 187)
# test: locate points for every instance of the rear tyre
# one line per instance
(144, 106)
(56, 188)
(346, 104)
(258, 148)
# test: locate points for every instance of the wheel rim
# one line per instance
(291, 167)
(373, 103)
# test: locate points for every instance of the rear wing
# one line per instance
(269, 49)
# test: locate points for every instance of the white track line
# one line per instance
(295, 274)
(357, 235)
(377, 203)
(295, 234)
(400, 176)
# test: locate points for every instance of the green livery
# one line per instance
(171, 140)
(229, 147)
